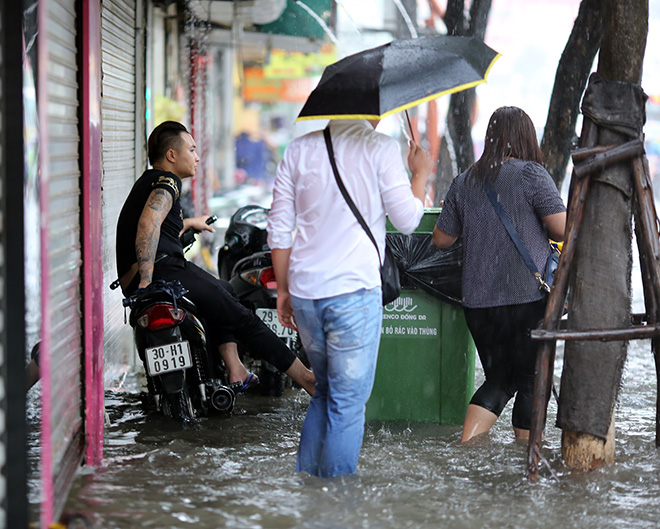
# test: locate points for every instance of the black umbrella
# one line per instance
(380, 81)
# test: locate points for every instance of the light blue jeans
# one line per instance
(341, 336)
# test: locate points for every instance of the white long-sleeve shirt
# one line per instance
(331, 254)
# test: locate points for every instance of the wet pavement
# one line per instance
(239, 472)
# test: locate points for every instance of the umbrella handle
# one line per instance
(412, 135)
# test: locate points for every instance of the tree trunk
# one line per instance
(461, 104)
(585, 452)
(600, 280)
(625, 28)
(570, 80)
(445, 171)
(458, 116)
(459, 127)
(455, 18)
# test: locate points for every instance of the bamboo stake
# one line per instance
(588, 160)
(580, 155)
(648, 240)
(610, 156)
(546, 354)
(603, 335)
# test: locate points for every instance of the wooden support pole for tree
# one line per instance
(580, 155)
(609, 156)
(602, 292)
(648, 240)
(602, 335)
(545, 358)
(581, 450)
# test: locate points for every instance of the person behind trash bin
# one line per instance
(328, 280)
(148, 249)
(501, 297)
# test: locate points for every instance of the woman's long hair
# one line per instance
(510, 134)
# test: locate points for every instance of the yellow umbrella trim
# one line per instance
(407, 105)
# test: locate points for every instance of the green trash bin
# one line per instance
(425, 370)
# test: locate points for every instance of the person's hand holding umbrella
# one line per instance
(421, 167)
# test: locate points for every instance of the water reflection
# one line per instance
(239, 472)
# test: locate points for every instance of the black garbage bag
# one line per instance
(422, 265)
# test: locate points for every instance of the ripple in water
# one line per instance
(239, 472)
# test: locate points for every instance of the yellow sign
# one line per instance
(290, 65)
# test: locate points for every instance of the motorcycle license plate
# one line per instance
(168, 357)
(269, 317)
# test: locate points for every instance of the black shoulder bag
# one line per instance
(389, 271)
(545, 280)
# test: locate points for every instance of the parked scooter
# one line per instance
(245, 261)
(184, 380)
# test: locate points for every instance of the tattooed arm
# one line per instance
(155, 210)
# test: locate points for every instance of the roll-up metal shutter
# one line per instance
(121, 67)
(61, 278)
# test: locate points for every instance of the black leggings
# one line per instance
(223, 313)
(508, 356)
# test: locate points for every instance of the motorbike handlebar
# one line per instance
(188, 236)
(127, 302)
(231, 242)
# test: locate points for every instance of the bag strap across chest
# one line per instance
(515, 237)
(344, 192)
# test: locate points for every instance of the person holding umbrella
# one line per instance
(502, 299)
(328, 281)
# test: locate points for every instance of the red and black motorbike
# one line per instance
(245, 261)
(185, 379)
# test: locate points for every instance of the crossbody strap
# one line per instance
(344, 192)
(513, 233)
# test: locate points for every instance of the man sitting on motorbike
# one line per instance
(148, 249)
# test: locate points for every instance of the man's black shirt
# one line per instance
(169, 242)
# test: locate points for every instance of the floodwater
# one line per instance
(238, 472)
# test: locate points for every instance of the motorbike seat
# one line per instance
(171, 292)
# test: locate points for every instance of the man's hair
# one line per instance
(164, 137)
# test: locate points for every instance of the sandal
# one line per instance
(250, 381)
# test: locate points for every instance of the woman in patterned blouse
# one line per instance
(501, 297)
